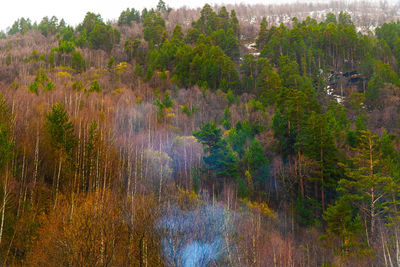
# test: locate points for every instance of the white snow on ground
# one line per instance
(330, 91)
(251, 46)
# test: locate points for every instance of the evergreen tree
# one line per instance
(262, 38)
(127, 16)
(344, 223)
(220, 160)
(330, 18)
(111, 63)
(77, 61)
(235, 24)
(318, 144)
(153, 28)
(60, 130)
(248, 71)
(95, 87)
(345, 19)
(365, 185)
(6, 139)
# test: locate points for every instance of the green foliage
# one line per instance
(367, 67)
(52, 57)
(383, 74)
(42, 82)
(389, 37)
(6, 137)
(345, 19)
(232, 99)
(365, 184)
(192, 36)
(138, 71)
(311, 46)
(196, 182)
(66, 47)
(222, 28)
(220, 159)
(254, 156)
(161, 6)
(111, 63)
(77, 85)
(254, 166)
(243, 134)
(235, 24)
(49, 26)
(66, 34)
(60, 130)
(207, 22)
(96, 34)
(35, 57)
(257, 164)
(294, 106)
(262, 38)
(21, 25)
(318, 143)
(268, 85)
(95, 87)
(205, 63)
(226, 120)
(285, 135)
(49, 86)
(344, 223)
(306, 208)
(330, 18)
(227, 41)
(82, 40)
(249, 72)
(127, 16)
(77, 61)
(8, 59)
(89, 22)
(153, 28)
(103, 37)
(93, 142)
(61, 55)
(239, 156)
(167, 101)
(189, 111)
(289, 72)
(177, 35)
(131, 47)
(165, 104)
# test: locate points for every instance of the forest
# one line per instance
(217, 136)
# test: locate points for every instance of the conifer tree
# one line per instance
(6, 143)
(262, 35)
(365, 185)
(60, 129)
(220, 160)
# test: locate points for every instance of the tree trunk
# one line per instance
(322, 174)
(36, 166)
(372, 191)
(58, 182)
(3, 208)
(300, 174)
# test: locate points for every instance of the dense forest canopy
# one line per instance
(202, 138)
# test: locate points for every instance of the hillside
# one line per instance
(245, 135)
